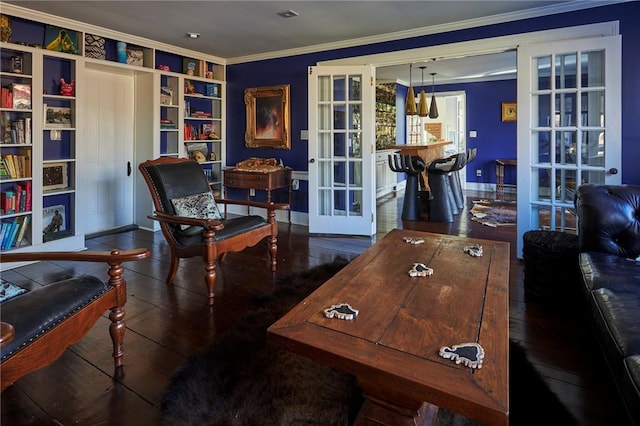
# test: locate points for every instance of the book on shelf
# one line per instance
(6, 97)
(4, 172)
(3, 231)
(10, 234)
(27, 196)
(18, 195)
(8, 161)
(7, 201)
(27, 130)
(18, 127)
(21, 94)
(25, 154)
(24, 224)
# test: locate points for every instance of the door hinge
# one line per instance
(371, 217)
(372, 82)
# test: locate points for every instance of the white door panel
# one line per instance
(108, 145)
(569, 127)
(342, 150)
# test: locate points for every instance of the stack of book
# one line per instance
(165, 123)
(12, 232)
(16, 199)
(16, 166)
(16, 131)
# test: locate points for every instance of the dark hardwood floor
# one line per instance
(166, 324)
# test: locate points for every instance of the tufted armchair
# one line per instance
(609, 245)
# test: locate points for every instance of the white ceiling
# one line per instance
(241, 31)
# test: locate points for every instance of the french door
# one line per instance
(569, 127)
(342, 150)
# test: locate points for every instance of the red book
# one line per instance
(27, 201)
(18, 190)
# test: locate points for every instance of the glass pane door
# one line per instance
(341, 150)
(568, 129)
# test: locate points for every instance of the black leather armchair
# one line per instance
(609, 245)
(170, 179)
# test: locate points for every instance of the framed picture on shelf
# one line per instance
(509, 111)
(268, 112)
(53, 219)
(57, 117)
(198, 151)
(61, 40)
(55, 176)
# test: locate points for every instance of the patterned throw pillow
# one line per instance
(201, 206)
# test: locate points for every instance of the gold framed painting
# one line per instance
(509, 111)
(268, 115)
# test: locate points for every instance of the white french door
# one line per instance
(342, 150)
(569, 127)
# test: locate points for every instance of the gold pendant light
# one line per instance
(433, 110)
(423, 111)
(410, 107)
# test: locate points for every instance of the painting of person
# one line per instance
(269, 123)
(54, 225)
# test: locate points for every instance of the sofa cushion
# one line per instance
(617, 317)
(602, 270)
(232, 227)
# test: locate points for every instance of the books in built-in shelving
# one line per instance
(15, 96)
(16, 166)
(14, 130)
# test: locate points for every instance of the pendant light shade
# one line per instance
(433, 110)
(422, 105)
(410, 107)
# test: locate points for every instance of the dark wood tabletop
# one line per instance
(392, 346)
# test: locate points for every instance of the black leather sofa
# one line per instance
(609, 246)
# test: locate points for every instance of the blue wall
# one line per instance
(495, 139)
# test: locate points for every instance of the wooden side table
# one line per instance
(265, 181)
(500, 163)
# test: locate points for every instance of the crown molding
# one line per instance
(569, 6)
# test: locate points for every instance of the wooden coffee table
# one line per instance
(392, 346)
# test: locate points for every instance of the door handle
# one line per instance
(128, 168)
(613, 171)
(313, 160)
